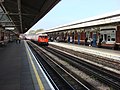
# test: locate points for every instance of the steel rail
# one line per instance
(91, 69)
(44, 55)
(55, 76)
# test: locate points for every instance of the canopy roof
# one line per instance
(23, 14)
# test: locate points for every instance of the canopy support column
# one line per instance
(20, 15)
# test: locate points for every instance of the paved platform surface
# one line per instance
(93, 50)
(16, 70)
(39, 77)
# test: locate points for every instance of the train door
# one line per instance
(105, 37)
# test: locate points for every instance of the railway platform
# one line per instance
(19, 70)
(109, 53)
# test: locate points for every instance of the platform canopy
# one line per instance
(21, 15)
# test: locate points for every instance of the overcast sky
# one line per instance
(67, 11)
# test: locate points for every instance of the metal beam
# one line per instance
(20, 16)
(11, 25)
(1, 17)
(8, 21)
(16, 14)
(5, 11)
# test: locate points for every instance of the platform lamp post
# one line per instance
(20, 14)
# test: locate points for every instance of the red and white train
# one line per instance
(40, 39)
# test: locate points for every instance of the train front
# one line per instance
(43, 39)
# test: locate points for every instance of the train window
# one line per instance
(108, 38)
(46, 37)
(113, 36)
(112, 39)
(43, 36)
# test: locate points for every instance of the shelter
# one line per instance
(21, 15)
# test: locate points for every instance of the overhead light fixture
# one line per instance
(9, 28)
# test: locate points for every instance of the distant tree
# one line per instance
(39, 30)
(32, 32)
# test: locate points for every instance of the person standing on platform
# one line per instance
(91, 42)
(18, 39)
(68, 39)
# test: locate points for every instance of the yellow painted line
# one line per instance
(36, 73)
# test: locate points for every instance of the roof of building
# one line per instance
(23, 14)
(107, 18)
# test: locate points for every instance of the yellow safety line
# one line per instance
(36, 73)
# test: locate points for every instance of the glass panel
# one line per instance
(113, 36)
(108, 38)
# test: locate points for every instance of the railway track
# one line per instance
(62, 79)
(108, 77)
(95, 58)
